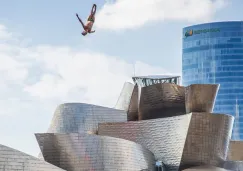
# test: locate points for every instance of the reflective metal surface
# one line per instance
(206, 168)
(77, 152)
(207, 140)
(13, 160)
(234, 165)
(132, 114)
(83, 118)
(235, 150)
(165, 137)
(161, 100)
(201, 97)
(125, 97)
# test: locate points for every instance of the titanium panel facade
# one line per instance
(132, 114)
(83, 118)
(164, 137)
(207, 140)
(213, 54)
(234, 165)
(13, 160)
(161, 100)
(77, 152)
(235, 151)
(125, 97)
(206, 168)
(200, 97)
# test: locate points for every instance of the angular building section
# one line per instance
(130, 94)
(165, 137)
(213, 54)
(161, 100)
(125, 97)
(205, 168)
(83, 118)
(200, 97)
(234, 153)
(234, 165)
(91, 152)
(207, 140)
(132, 113)
(14, 160)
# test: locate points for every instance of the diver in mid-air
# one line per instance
(90, 21)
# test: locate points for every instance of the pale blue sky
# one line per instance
(53, 23)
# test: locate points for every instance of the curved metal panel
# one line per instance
(235, 150)
(11, 159)
(165, 137)
(132, 114)
(76, 152)
(125, 97)
(201, 97)
(233, 165)
(205, 168)
(83, 118)
(161, 100)
(207, 140)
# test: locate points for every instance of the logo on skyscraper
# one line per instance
(189, 33)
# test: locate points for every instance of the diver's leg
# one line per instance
(93, 10)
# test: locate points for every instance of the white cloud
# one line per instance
(4, 34)
(67, 74)
(131, 14)
(96, 78)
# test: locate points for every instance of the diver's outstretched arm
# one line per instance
(92, 31)
(80, 21)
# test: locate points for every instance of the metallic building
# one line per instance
(235, 152)
(173, 128)
(132, 113)
(161, 100)
(77, 152)
(207, 140)
(125, 97)
(141, 82)
(83, 118)
(165, 137)
(14, 160)
(213, 53)
(144, 81)
(200, 97)
(205, 168)
(166, 99)
(233, 165)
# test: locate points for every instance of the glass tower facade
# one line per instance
(213, 53)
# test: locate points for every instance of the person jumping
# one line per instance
(90, 21)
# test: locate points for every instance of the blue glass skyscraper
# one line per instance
(213, 53)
